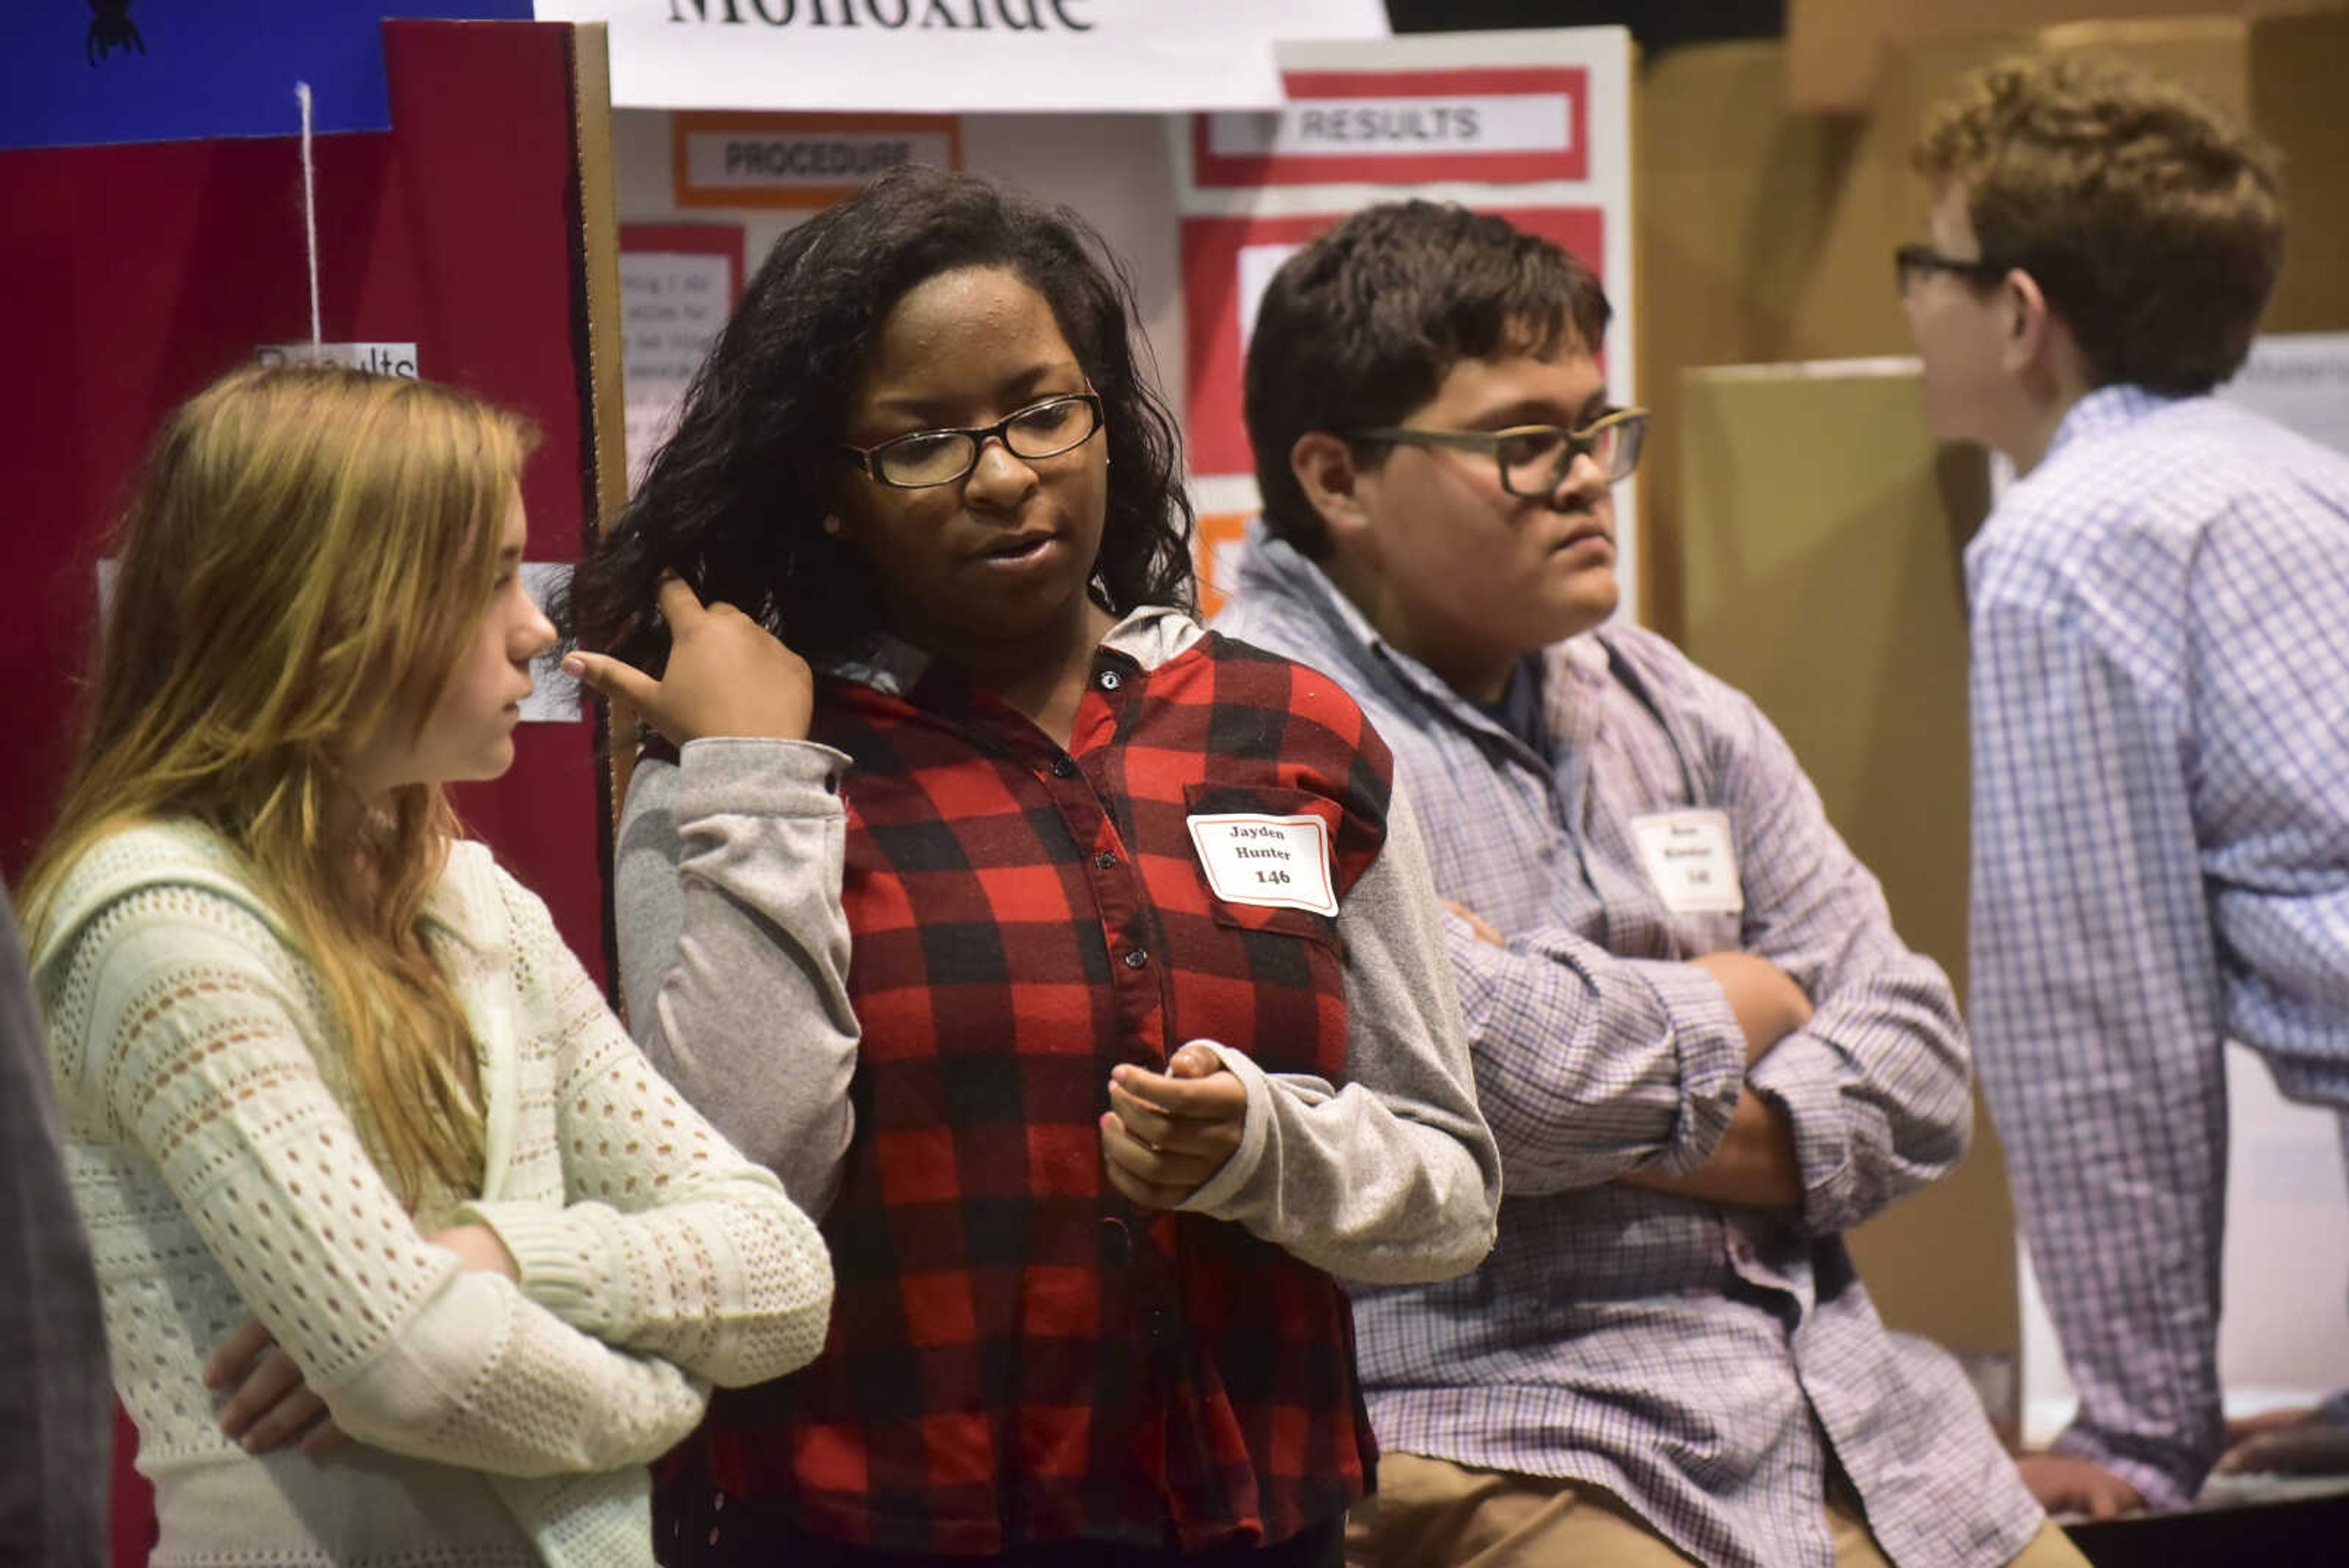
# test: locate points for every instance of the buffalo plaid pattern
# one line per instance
(1017, 1355)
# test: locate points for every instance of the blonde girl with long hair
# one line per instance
(408, 1255)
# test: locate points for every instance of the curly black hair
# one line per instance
(735, 501)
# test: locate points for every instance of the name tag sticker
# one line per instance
(1276, 862)
(1693, 860)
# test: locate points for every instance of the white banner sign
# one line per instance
(952, 56)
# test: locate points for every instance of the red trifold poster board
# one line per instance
(138, 273)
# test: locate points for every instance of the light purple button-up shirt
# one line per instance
(2160, 686)
(1702, 1363)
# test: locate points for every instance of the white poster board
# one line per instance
(954, 57)
(2301, 380)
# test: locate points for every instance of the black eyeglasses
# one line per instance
(1910, 262)
(1535, 460)
(923, 458)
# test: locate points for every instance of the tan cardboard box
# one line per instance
(1767, 235)
(1823, 576)
(1835, 49)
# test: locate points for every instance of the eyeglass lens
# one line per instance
(1537, 462)
(940, 457)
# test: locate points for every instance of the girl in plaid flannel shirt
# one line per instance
(1146, 1039)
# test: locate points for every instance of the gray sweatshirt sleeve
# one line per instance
(734, 949)
(1393, 1178)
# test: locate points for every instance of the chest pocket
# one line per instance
(1266, 857)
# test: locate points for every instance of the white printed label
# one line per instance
(1277, 862)
(1693, 860)
(802, 161)
(376, 359)
(1484, 123)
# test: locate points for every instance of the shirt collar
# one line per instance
(1150, 635)
(2102, 411)
(1271, 566)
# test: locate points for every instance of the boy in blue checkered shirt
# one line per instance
(2160, 768)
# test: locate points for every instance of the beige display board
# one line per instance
(1836, 47)
(1823, 576)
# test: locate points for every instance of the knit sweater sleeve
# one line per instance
(187, 1051)
(669, 1241)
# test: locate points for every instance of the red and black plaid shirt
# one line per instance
(1018, 1353)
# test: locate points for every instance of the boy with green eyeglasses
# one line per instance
(1702, 1048)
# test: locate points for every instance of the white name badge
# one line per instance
(1277, 862)
(1693, 860)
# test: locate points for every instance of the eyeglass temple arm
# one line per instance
(1479, 440)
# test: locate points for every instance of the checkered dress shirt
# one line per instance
(55, 1404)
(1703, 1364)
(2160, 619)
(1018, 1353)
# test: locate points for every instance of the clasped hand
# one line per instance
(268, 1402)
(1166, 1133)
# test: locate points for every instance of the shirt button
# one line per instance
(1111, 681)
(1063, 768)
(1105, 861)
(1135, 957)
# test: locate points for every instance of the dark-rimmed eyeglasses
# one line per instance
(923, 458)
(1911, 262)
(1534, 460)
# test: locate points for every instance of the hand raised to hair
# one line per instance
(727, 676)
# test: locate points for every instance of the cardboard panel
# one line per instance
(2296, 67)
(1766, 234)
(1836, 48)
(1823, 541)
(1736, 196)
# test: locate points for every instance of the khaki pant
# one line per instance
(1431, 1513)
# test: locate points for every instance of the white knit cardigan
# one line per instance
(220, 1174)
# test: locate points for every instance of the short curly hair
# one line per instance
(2153, 226)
